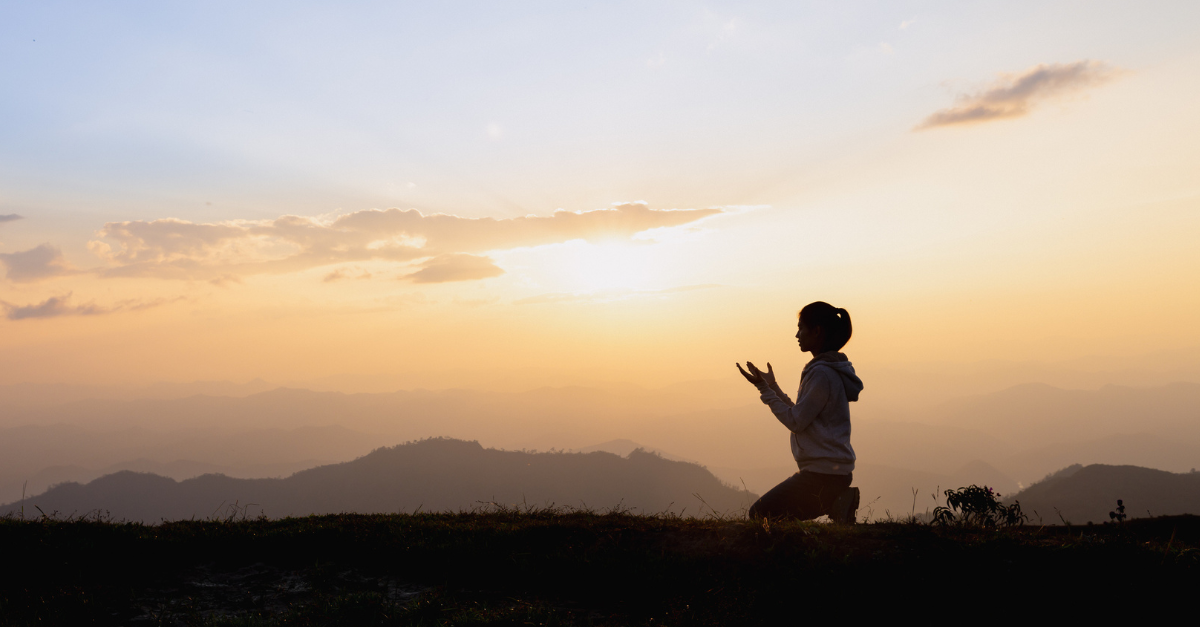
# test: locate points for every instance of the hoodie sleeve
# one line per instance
(814, 393)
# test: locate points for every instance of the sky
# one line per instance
(644, 192)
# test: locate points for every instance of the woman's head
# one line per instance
(823, 327)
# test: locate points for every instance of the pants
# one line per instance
(802, 496)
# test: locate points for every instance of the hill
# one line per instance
(431, 475)
(1087, 494)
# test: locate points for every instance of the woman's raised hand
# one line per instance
(752, 378)
(756, 376)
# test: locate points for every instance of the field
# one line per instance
(538, 567)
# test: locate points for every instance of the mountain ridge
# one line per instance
(436, 474)
(1088, 493)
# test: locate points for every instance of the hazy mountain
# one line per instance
(911, 390)
(42, 455)
(1022, 432)
(584, 412)
(99, 448)
(1037, 412)
(33, 395)
(743, 435)
(623, 447)
(1178, 454)
(434, 475)
(13, 485)
(1091, 492)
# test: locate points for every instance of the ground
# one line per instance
(574, 568)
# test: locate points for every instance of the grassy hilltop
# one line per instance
(556, 568)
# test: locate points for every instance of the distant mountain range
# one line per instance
(35, 457)
(1043, 413)
(1007, 439)
(1025, 431)
(432, 475)
(444, 474)
(1082, 494)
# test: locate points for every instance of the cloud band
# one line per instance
(1016, 95)
(178, 249)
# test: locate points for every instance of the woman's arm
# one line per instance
(814, 394)
(780, 393)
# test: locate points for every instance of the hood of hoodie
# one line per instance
(840, 364)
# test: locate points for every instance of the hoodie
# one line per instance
(820, 418)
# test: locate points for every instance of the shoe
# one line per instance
(845, 507)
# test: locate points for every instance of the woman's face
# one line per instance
(810, 339)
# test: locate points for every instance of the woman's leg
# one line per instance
(802, 496)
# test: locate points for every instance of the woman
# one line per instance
(819, 421)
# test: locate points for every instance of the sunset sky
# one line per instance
(642, 191)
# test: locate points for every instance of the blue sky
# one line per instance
(495, 108)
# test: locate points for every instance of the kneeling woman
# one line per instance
(819, 421)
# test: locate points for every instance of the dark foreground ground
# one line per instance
(545, 568)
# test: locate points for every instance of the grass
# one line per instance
(547, 567)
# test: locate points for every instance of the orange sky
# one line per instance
(962, 204)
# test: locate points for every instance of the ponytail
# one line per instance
(847, 328)
(835, 321)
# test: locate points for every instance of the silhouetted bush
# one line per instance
(978, 507)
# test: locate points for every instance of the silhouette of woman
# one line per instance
(819, 421)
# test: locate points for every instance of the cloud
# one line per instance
(56, 306)
(50, 308)
(41, 262)
(1013, 96)
(345, 273)
(455, 267)
(171, 248)
(9, 217)
(448, 233)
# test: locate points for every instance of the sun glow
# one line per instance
(584, 267)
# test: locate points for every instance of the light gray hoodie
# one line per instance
(820, 419)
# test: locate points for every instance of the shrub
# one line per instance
(977, 507)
